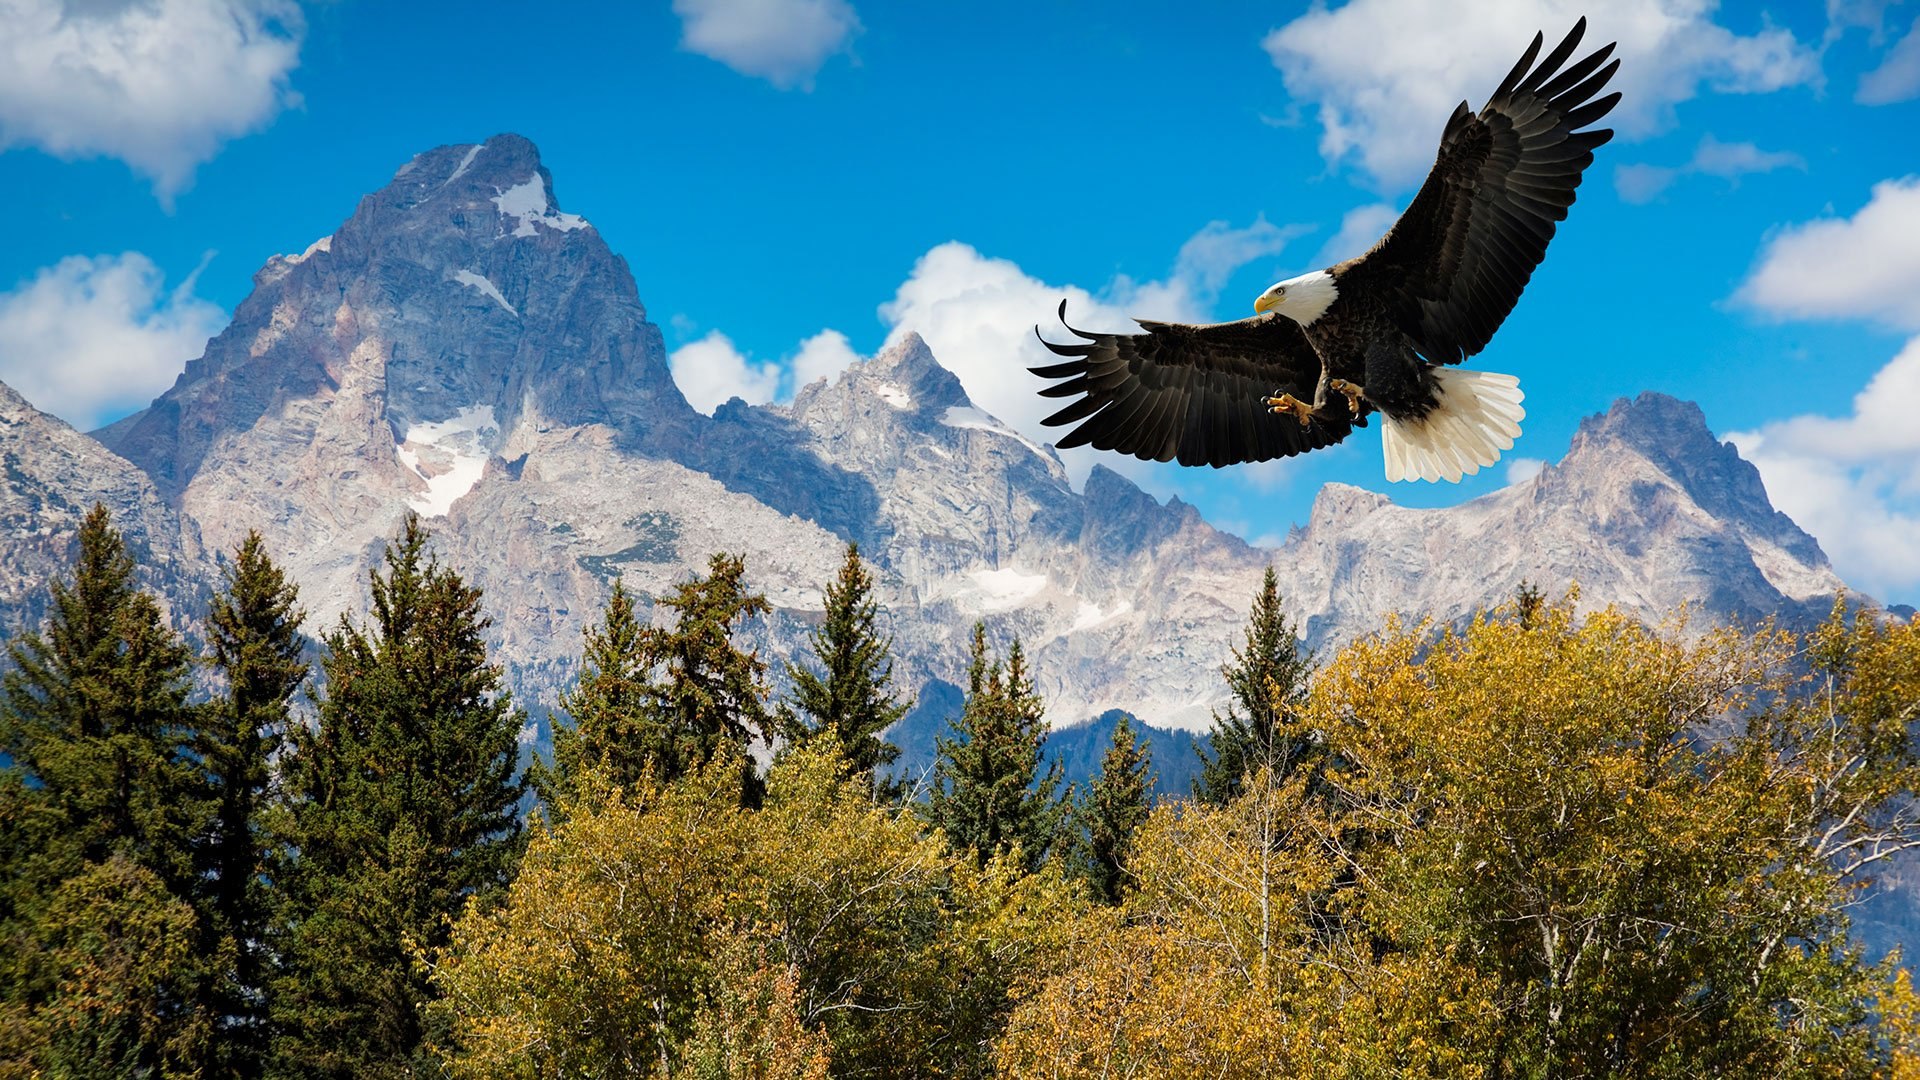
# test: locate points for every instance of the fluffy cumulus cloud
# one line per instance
(1898, 76)
(977, 315)
(822, 356)
(1854, 481)
(1359, 229)
(1384, 74)
(1522, 469)
(782, 41)
(91, 338)
(712, 371)
(159, 84)
(1728, 161)
(1865, 266)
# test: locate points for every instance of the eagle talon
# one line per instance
(1290, 405)
(1352, 392)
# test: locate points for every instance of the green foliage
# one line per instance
(851, 697)
(254, 634)
(988, 794)
(99, 795)
(1268, 680)
(402, 806)
(666, 701)
(612, 730)
(120, 949)
(650, 932)
(1112, 812)
(94, 714)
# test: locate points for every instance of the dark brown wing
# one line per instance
(1189, 392)
(1454, 264)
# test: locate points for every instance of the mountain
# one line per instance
(463, 348)
(50, 476)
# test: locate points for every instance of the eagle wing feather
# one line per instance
(1188, 392)
(1452, 268)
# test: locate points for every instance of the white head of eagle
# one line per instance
(1302, 299)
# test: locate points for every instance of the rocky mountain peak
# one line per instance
(1672, 437)
(459, 299)
(916, 379)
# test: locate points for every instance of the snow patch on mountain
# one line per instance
(527, 203)
(894, 395)
(449, 456)
(1001, 590)
(325, 243)
(970, 417)
(464, 162)
(468, 277)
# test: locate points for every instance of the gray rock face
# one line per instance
(1647, 511)
(50, 476)
(463, 348)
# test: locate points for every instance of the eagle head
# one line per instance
(1302, 299)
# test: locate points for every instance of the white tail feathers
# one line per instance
(1478, 416)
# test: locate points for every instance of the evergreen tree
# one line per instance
(1268, 680)
(850, 698)
(1112, 812)
(706, 694)
(94, 728)
(666, 700)
(988, 794)
(254, 633)
(402, 804)
(613, 727)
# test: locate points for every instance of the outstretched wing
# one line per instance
(1189, 392)
(1454, 264)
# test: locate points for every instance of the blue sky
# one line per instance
(793, 181)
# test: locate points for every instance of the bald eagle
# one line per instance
(1376, 333)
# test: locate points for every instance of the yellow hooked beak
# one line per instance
(1265, 304)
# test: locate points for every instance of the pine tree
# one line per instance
(850, 698)
(612, 724)
(988, 794)
(1268, 680)
(402, 804)
(254, 634)
(1112, 812)
(708, 696)
(95, 729)
(664, 701)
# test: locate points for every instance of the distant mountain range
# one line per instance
(464, 348)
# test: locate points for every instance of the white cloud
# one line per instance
(1386, 73)
(160, 84)
(89, 338)
(710, 371)
(1854, 481)
(782, 41)
(1866, 266)
(978, 314)
(1728, 161)
(1898, 76)
(1360, 228)
(1522, 469)
(822, 356)
(1868, 15)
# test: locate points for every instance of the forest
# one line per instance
(1547, 842)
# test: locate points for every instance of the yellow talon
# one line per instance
(1353, 393)
(1293, 406)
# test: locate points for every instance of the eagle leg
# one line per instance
(1353, 392)
(1292, 406)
